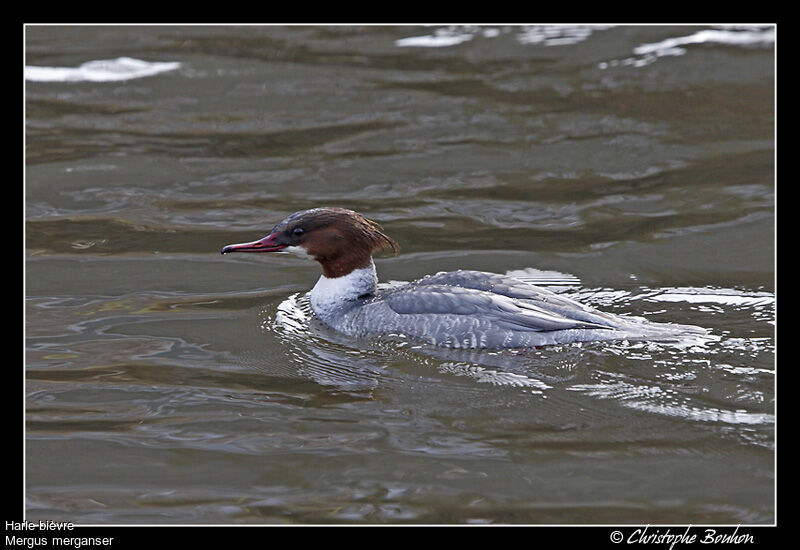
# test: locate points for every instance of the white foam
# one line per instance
(742, 37)
(557, 35)
(729, 298)
(103, 70)
(546, 35)
(544, 278)
(440, 39)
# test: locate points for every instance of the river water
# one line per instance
(630, 167)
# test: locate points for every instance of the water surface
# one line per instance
(631, 168)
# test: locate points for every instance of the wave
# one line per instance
(102, 70)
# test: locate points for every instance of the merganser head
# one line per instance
(339, 239)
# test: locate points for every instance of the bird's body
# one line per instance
(461, 309)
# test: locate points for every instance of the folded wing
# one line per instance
(498, 309)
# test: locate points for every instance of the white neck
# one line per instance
(329, 296)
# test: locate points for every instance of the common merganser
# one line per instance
(460, 309)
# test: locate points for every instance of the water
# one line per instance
(629, 167)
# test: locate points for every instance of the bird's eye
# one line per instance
(298, 231)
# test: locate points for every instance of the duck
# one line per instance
(455, 309)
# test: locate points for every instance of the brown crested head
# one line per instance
(341, 240)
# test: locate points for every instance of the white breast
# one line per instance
(330, 296)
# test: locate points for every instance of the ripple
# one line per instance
(667, 401)
(316, 352)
